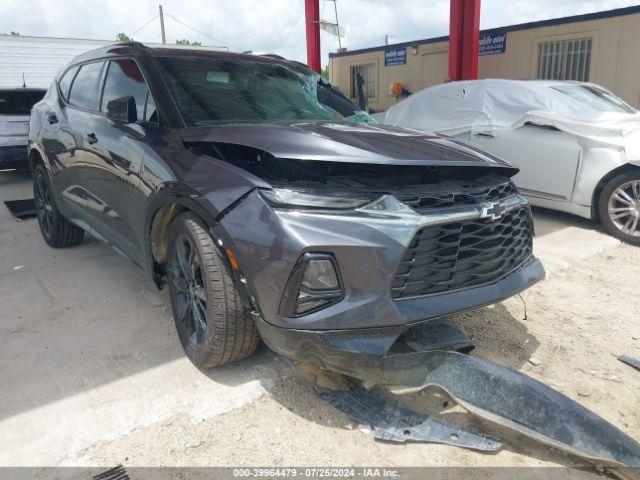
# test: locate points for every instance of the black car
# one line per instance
(269, 205)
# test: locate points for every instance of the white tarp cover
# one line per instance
(483, 106)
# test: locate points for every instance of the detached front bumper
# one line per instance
(316, 346)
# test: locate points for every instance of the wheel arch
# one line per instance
(627, 167)
(35, 157)
(163, 209)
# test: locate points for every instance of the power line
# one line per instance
(201, 32)
(136, 31)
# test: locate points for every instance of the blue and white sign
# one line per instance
(493, 43)
(395, 56)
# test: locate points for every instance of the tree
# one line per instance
(325, 73)
(184, 41)
(123, 37)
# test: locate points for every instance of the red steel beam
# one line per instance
(312, 22)
(470, 39)
(456, 23)
(464, 33)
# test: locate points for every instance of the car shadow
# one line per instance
(549, 221)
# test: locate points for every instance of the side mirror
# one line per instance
(122, 110)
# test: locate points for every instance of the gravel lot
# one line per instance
(93, 372)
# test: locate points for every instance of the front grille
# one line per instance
(464, 254)
(459, 195)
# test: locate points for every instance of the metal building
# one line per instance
(34, 61)
(599, 47)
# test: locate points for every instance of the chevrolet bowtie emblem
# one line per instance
(493, 211)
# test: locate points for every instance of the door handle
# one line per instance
(52, 118)
(91, 138)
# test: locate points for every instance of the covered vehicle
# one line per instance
(244, 183)
(15, 111)
(577, 145)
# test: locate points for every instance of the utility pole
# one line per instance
(335, 6)
(164, 39)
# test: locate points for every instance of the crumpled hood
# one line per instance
(347, 142)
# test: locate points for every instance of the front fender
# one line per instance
(596, 163)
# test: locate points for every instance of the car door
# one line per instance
(116, 155)
(64, 138)
(548, 159)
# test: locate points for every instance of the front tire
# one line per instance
(55, 229)
(619, 207)
(212, 324)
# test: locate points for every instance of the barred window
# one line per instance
(368, 72)
(565, 59)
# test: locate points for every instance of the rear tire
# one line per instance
(619, 207)
(55, 229)
(213, 326)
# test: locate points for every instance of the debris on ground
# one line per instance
(21, 209)
(584, 392)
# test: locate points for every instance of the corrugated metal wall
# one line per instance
(40, 58)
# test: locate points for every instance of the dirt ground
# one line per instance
(132, 399)
(578, 322)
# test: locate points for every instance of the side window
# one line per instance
(65, 82)
(84, 88)
(124, 79)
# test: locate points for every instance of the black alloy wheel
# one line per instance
(55, 229)
(190, 295)
(213, 325)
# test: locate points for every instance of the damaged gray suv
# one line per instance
(269, 205)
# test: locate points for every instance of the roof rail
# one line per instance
(131, 43)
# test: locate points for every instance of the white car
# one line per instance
(15, 112)
(577, 144)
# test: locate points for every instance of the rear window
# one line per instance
(65, 82)
(84, 89)
(19, 102)
(595, 98)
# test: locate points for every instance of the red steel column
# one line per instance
(312, 22)
(470, 39)
(464, 33)
(456, 23)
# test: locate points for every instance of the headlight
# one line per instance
(313, 285)
(280, 197)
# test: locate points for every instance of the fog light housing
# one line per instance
(313, 285)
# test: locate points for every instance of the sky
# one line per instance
(270, 26)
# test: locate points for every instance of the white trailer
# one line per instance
(34, 61)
